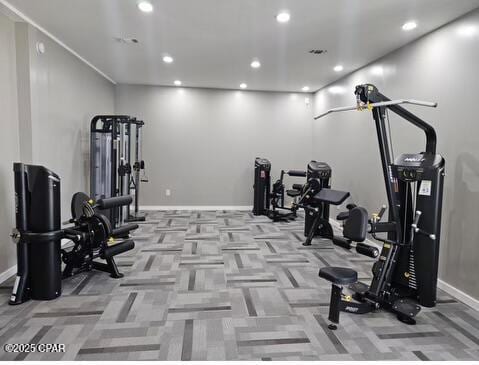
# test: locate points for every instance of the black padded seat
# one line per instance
(339, 275)
(293, 193)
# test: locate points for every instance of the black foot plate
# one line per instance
(406, 310)
(359, 288)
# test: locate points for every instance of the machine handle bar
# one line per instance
(379, 104)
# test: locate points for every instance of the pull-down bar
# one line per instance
(379, 104)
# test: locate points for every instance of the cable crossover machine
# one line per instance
(116, 165)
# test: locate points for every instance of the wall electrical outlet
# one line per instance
(168, 192)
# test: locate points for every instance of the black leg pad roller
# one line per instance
(125, 229)
(118, 201)
(118, 249)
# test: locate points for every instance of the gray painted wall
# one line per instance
(54, 95)
(201, 143)
(66, 94)
(9, 144)
(440, 67)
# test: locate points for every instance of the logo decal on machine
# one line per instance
(351, 309)
(414, 159)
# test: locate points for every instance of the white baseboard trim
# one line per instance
(7, 274)
(458, 294)
(196, 207)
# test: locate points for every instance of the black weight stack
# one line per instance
(38, 221)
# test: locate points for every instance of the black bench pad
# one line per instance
(330, 196)
(339, 275)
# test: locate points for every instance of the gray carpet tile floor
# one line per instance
(227, 285)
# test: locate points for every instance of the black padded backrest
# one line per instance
(356, 226)
(78, 201)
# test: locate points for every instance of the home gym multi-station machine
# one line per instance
(97, 229)
(405, 275)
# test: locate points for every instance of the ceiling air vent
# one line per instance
(126, 40)
(318, 51)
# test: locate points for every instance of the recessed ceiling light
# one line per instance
(377, 70)
(177, 82)
(467, 30)
(305, 88)
(145, 6)
(336, 90)
(338, 68)
(167, 59)
(283, 17)
(409, 26)
(243, 85)
(256, 64)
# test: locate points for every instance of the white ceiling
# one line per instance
(214, 41)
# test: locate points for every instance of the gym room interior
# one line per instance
(239, 180)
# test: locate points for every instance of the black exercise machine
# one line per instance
(316, 221)
(38, 235)
(262, 186)
(113, 170)
(405, 275)
(316, 199)
(271, 201)
(278, 211)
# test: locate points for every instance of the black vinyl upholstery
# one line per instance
(330, 196)
(297, 186)
(293, 193)
(296, 173)
(356, 226)
(342, 216)
(339, 275)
